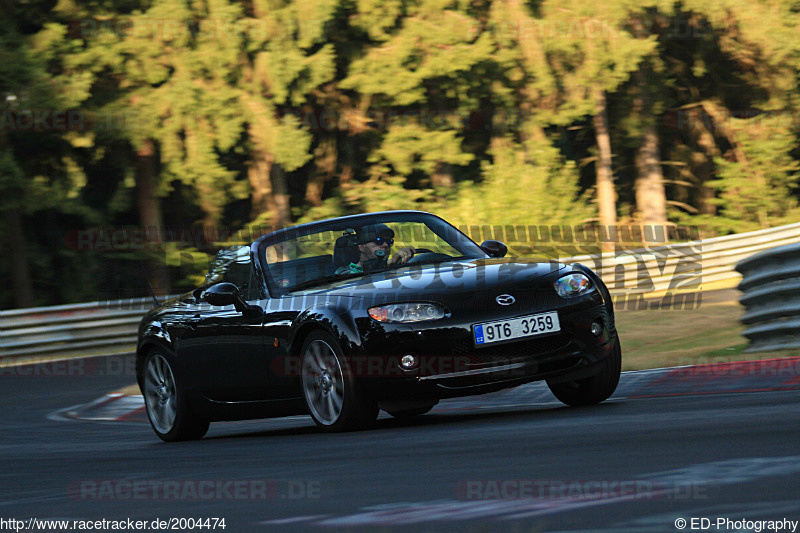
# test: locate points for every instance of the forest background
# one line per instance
(225, 116)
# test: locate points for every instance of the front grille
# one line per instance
(502, 353)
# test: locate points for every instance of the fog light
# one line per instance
(597, 329)
(408, 361)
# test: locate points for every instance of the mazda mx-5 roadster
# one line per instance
(390, 311)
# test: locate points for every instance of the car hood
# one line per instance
(452, 277)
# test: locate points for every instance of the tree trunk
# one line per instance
(651, 198)
(149, 207)
(314, 189)
(150, 212)
(280, 195)
(15, 251)
(606, 196)
(325, 162)
(443, 176)
(704, 162)
(349, 164)
(260, 185)
(705, 199)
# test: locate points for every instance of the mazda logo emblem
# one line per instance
(505, 299)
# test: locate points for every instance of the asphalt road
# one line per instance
(481, 464)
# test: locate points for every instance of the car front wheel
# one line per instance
(169, 413)
(593, 389)
(330, 389)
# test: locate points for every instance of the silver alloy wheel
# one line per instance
(160, 393)
(323, 384)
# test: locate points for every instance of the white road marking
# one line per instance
(726, 472)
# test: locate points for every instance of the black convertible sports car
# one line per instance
(391, 311)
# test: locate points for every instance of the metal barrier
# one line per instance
(71, 330)
(683, 267)
(771, 287)
(678, 269)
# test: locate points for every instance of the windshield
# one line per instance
(333, 250)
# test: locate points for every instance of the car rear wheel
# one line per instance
(593, 389)
(169, 413)
(330, 389)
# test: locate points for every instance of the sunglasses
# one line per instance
(382, 240)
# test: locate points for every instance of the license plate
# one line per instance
(515, 328)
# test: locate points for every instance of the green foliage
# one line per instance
(409, 147)
(12, 183)
(435, 42)
(292, 143)
(586, 48)
(479, 111)
(544, 191)
(378, 17)
(756, 190)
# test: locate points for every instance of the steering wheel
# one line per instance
(418, 255)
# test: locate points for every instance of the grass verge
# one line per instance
(709, 333)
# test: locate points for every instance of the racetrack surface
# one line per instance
(515, 460)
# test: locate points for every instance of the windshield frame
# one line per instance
(440, 227)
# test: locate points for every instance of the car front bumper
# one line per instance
(449, 364)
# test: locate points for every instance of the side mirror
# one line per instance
(221, 294)
(225, 293)
(494, 248)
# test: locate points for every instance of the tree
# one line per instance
(732, 69)
(39, 177)
(756, 176)
(572, 54)
(291, 60)
(515, 190)
(649, 187)
(423, 65)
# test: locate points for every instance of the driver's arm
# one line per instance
(402, 255)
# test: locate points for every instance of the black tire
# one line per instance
(330, 389)
(169, 413)
(411, 413)
(594, 389)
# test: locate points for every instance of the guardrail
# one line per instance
(71, 330)
(683, 267)
(771, 287)
(678, 269)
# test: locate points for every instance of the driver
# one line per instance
(374, 244)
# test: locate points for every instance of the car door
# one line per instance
(226, 347)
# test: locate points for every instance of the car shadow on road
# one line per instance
(302, 426)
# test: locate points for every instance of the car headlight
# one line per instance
(572, 285)
(408, 312)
